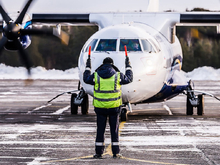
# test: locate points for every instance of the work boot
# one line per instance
(117, 156)
(97, 156)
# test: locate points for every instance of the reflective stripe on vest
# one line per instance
(107, 92)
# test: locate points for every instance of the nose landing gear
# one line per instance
(80, 99)
(124, 111)
(124, 115)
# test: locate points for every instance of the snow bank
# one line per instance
(204, 73)
(8, 72)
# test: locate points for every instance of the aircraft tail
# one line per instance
(153, 6)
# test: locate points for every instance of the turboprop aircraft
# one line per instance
(153, 48)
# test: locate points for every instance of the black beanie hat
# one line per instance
(108, 60)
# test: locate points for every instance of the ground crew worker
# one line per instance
(107, 81)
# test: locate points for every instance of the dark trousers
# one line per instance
(102, 114)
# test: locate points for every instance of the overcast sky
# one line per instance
(73, 6)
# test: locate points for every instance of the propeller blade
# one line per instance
(2, 43)
(5, 16)
(47, 31)
(22, 14)
(24, 56)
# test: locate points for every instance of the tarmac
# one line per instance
(34, 132)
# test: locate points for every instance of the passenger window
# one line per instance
(92, 44)
(132, 45)
(107, 45)
(147, 46)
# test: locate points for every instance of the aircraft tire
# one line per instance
(124, 115)
(200, 107)
(73, 107)
(189, 107)
(85, 105)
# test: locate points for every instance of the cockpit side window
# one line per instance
(147, 46)
(92, 44)
(132, 45)
(155, 45)
(107, 45)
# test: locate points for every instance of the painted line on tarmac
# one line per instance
(108, 151)
(167, 108)
(147, 161)
(60, 111)
(38, 108)
(64, 160)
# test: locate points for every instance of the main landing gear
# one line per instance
(194, 101)
(79, 100)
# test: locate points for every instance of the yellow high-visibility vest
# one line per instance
(107, 92)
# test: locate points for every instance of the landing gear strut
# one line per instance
(194, 101)
(80, 99)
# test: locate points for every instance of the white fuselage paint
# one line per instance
(150, 70)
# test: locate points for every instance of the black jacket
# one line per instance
(107, 71)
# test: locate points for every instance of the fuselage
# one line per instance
(151, 56)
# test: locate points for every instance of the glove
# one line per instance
(127, 62)
(88, 63)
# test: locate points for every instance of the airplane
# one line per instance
(152, 45)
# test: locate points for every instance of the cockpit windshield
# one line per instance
(132, 45)
(107, 45)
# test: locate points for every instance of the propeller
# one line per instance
(13, 31)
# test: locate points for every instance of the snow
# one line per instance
(204, 73)
(8, 72)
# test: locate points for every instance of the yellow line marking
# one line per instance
(109, 152)
(63, 160)
(147, 161)
(108, 149)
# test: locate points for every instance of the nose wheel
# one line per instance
(81, 100)
(123, 114)
(73, 106)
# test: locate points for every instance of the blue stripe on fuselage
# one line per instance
(166, 93)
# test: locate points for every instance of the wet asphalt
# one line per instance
(34, 132)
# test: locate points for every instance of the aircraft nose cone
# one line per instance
(12, 31)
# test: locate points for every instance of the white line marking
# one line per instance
(38, 108)
(60, 111)
(167, 108)
(37, 161)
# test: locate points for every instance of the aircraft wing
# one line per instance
(204, 18)
(164, 22)
(189, 17)
(60, 18)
